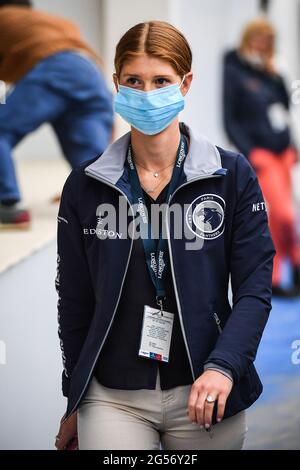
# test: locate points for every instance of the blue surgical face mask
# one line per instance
(149, 111)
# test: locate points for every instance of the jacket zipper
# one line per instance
(123, 279)
(218, 321)
(173, 271)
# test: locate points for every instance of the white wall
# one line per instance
(286, 19)
(31, 402)
(285, 15)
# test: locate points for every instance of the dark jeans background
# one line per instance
(67, 90)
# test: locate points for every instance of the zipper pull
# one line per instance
(218, 321)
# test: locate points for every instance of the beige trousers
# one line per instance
(111, 419)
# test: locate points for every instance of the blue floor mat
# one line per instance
(274, 420)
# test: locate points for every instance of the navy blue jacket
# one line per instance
(225, 233)
(249, 95)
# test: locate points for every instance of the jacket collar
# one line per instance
(203, 158)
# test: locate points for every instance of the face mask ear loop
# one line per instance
(182, 81)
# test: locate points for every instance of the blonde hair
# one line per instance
(256, 27)
(158, 39)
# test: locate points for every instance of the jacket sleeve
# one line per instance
(251, 265)
(231, 104)
(76, 302)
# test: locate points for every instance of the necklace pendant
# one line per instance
(156, 174)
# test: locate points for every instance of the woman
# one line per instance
(153, 352)
(256, 117)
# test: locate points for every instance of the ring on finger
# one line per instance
(210, 399)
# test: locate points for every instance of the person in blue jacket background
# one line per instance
(127, 390)
(256, 117)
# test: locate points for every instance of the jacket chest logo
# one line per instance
(205, 216)
(101, 232)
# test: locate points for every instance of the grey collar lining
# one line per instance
(203, 158)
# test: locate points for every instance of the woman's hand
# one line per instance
(66, 431)
(210, 383)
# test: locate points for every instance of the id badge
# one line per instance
(156, 334)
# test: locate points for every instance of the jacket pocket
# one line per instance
(217, 321)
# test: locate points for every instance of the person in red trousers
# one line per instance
(256, 118)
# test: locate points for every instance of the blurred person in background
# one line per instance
(57, 78)
(256, 118)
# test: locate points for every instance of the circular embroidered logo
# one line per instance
(205, 216)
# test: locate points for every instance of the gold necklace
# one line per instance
(152, 190)
(155, 173)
